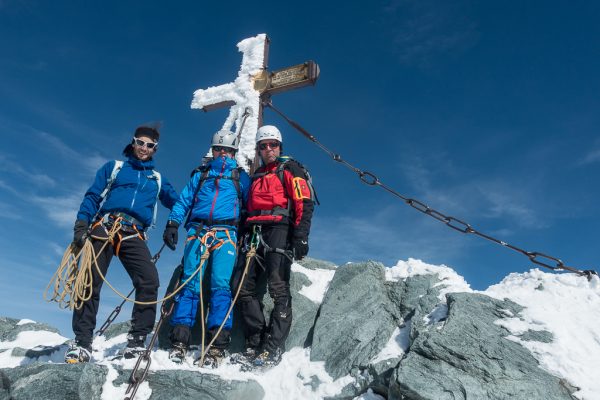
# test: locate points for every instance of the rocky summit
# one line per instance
(409, 337)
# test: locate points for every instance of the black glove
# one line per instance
(80, 232)
(300, 247)
(170, 234)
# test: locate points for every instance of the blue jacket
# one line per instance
(217, 199)
(133, 192)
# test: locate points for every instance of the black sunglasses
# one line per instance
(141, 143)
(273, 145)
(219, 149)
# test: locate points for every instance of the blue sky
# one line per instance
(486, 111)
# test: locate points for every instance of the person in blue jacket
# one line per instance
(130, 190)
(213, 198)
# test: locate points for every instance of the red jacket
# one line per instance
(272, 201)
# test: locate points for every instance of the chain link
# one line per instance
(135, 379)
(371, 179)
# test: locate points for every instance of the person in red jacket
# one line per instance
(280, 208)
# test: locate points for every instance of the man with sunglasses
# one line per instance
(130, 190)
(212, 201)
(280, 208)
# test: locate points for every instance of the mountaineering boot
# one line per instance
(76, 354)
(213, 358)
(267, 359)
(246, 357)
(177, 352)
(135, 346)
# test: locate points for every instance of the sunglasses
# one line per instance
(264, 146)
(141, 143)
(219, 149)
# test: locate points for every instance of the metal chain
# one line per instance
(135, 379)
(371, 179)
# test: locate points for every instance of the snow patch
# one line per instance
(566, 305)
(319, 278)
(396, 346)
(25, 322)
(450, 281)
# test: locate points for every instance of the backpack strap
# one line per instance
(113, 175)
(158, 178)
(204, 170)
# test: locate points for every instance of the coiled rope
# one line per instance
(72, 282)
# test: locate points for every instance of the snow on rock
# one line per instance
(559, 325)
(567, 306)
(449, 279)
(319, 278)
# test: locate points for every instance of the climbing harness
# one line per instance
(72, 281)
(371, 179)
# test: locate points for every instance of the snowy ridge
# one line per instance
(563, 305)
(449, 279)
(566, 305)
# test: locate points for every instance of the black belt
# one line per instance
(211, 222)
(276, 211)
(128, 219)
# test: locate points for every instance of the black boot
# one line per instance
(136, 345)
(177, 352)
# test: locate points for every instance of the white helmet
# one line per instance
(225, 138)
(268, 132)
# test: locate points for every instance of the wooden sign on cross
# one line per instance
(246, 95)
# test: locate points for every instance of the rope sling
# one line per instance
(72, 282)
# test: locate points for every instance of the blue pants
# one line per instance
(222, 256)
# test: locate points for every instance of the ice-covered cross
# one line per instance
(246, 94)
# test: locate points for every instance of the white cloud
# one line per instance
(452, 192)
(32, 178)
(90, 162)
(591, 157)
(384, 235)
(8, 211)
(424, 31)
(61, 210)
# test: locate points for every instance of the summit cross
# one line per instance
(253, 87)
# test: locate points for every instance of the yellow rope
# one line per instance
(251, 253)
(72, 281)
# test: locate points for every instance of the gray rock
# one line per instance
(117, 329)
(467, 357)
(9, 330)
(36, 352)
(52, 381)
(537, 336)
(415, 294)
(313, 263)
(184, 385)
(356, 319)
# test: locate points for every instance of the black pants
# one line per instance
(136, 259)
(277, 267)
